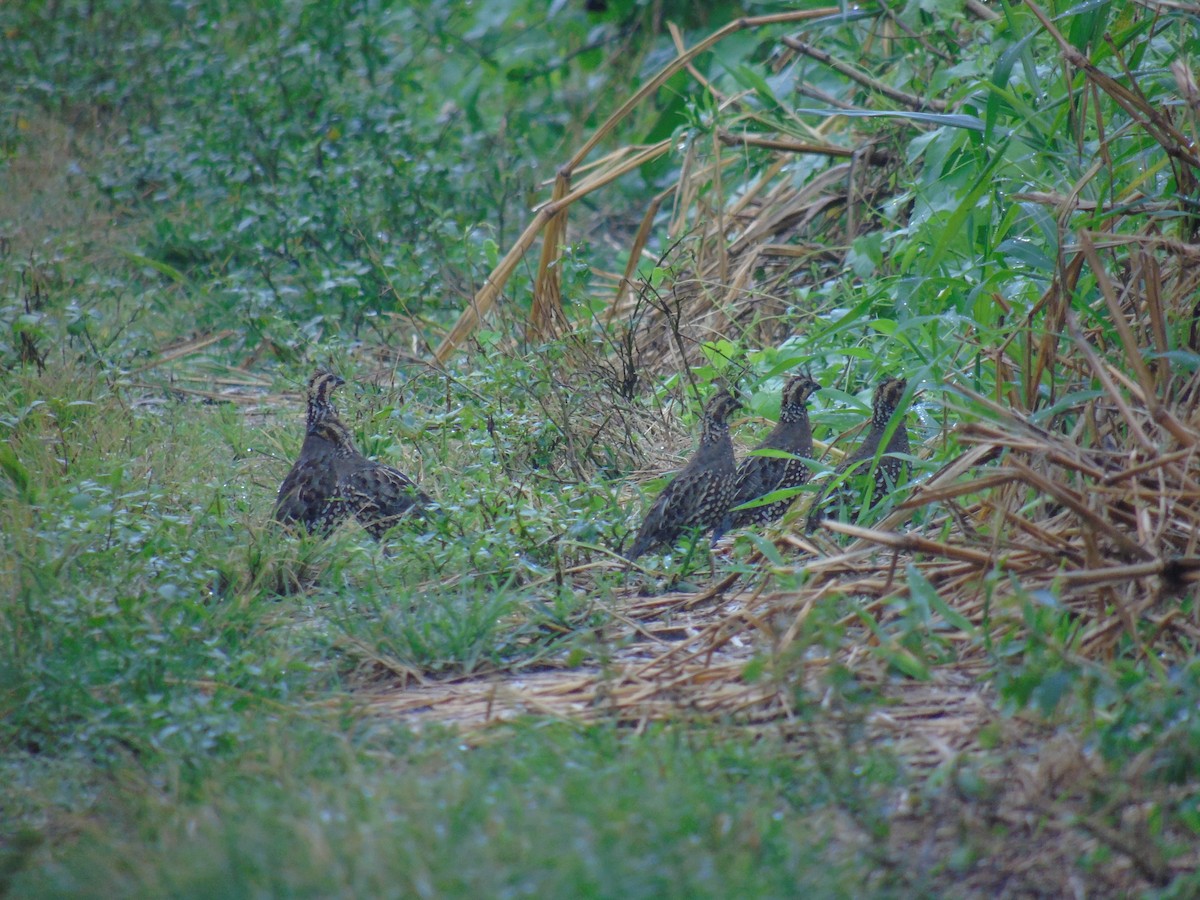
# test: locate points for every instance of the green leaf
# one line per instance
(773, 453)
(905, 662)
(754, 670)
(766, 547)
(15, 470)
(161, 267)
(1050, 692)
(749, 77)
(901, 659)
(920, 587)
(866, 254)
(947, 120)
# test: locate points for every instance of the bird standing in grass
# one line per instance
(758, 476)
(698, 497)
(332, 481)
(839, 493)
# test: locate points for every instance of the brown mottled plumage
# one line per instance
(332, 481)
(758, 476)
(887, 472)
(698, 497)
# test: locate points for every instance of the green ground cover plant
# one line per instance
(987, 684)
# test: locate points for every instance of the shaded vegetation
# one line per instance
(200, 202)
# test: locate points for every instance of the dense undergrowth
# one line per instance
(201, 201)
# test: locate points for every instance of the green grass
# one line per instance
(547, 810)
(181, 683)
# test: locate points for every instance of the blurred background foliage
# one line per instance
(201, 201)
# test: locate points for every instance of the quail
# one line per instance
(309, 494)
(758, 476)
(883, 408)
(698, 497)
(332, 481)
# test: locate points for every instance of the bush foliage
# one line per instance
(202, 201)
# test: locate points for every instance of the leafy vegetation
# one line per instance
(992, 687)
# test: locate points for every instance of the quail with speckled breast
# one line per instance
(698, 497)
(758, 476)
(843, 496)
(331, 480)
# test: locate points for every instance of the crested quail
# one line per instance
(332, 481)
(758, 476)
(309, 492)
(698, 497)
(887, 472)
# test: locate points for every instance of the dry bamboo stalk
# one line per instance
(1070, 499)
(1156, 462)
(1111, 574)
(910, 542)
(625, 285)
(1102, 374)
(187, 348)
(924, 495)
(909, 100)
